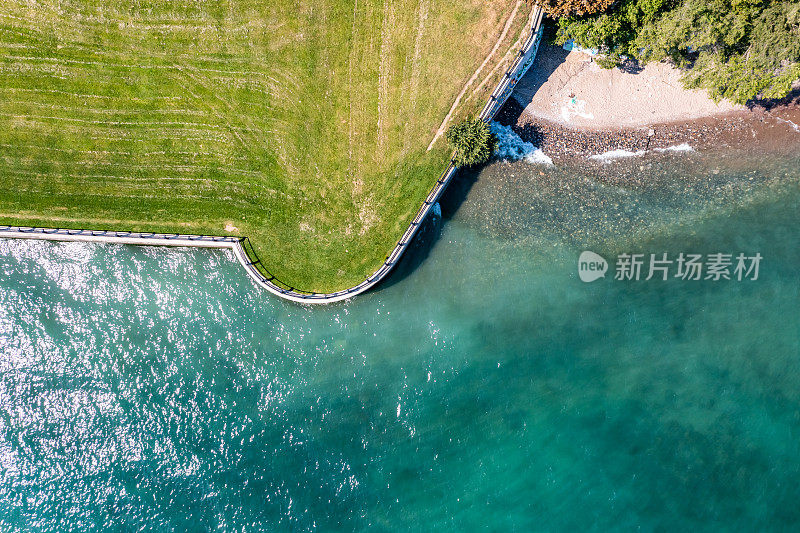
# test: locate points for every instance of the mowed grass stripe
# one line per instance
(124, 114)
(169, 156)
(101, 187)
(112, 166)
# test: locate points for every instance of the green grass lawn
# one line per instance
(303, 126)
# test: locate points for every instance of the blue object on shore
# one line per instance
(572, 47)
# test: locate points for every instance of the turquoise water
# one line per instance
(483, 387)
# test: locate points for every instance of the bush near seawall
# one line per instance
(472, 141)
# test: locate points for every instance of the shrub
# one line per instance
(472, 141)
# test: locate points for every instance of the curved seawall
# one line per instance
(241, 247)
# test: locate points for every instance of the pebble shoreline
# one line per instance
(757, 126)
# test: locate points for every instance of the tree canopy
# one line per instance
(736, 49)
(473, 141)
(560, 8)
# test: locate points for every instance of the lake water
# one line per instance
(483, 386)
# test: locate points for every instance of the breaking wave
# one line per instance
(684, 147)
(612, 155)
(511, 146)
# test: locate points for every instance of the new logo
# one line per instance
(591, 266)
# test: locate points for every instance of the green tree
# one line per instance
(472, 140)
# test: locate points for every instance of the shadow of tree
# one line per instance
(769, 103)
(547, 61)
(630, 66)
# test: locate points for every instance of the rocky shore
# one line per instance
(772, 126)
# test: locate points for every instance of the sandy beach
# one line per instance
(570, 88)
(570, 107)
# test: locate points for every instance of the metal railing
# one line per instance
(111, 235)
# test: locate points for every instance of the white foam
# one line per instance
(684, 147)
(794, 126)
(611, 155)
(511, 146)
(537, 157)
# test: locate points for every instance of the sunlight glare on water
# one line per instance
(482, 385)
